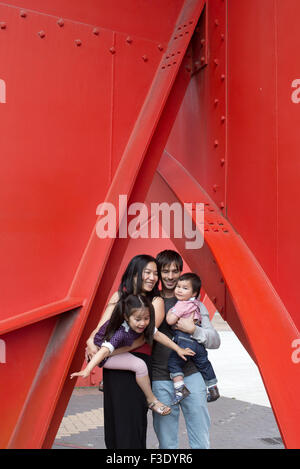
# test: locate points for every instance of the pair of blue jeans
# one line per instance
(176, 363)
(194, 409)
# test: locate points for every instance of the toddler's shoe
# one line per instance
(213, 393)
(180, 394)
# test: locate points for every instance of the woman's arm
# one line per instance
(159, 310)
(91, 348)
(137, 343)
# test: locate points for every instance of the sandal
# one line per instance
(160, 410)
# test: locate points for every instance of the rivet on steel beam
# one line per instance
(42, 34)
(216, 101)
(222, 161)
(23, 14)
(202, 59)
(222, 36)
(223, 118)
(216, 143)
(145, 58)
(222, 205)
(129, 40)
(160, 47)
(112, 50)
(78, 42)
(60, 22)
(215, 187)
(217, 22)
(222, 77)
(3, 25)
(202, 42)
(216, 61)
(96, 31)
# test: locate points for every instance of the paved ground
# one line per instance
(241, 419)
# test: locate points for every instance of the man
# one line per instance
(194, 406)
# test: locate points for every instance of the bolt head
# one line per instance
(2, 25)
(112, 50)
(42, 34)
(23, 14)
(78, 42)
(60, 22)
(96, 31)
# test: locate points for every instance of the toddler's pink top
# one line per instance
(184, 309)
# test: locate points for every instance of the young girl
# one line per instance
(131, 318)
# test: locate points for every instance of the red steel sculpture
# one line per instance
(164, 101)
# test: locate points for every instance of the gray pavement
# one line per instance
(241, 419)
(234, 425)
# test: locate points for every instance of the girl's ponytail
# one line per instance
(116, 320)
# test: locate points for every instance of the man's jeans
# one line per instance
(194, 408)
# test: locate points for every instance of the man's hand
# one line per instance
(186, 325)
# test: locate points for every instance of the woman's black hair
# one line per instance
(124, 309)
(129, 286)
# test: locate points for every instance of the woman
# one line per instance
(125, 406)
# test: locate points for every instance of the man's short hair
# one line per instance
(167, 257)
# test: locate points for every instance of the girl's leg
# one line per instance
(127, 361)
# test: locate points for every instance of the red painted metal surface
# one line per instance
(99, 99)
